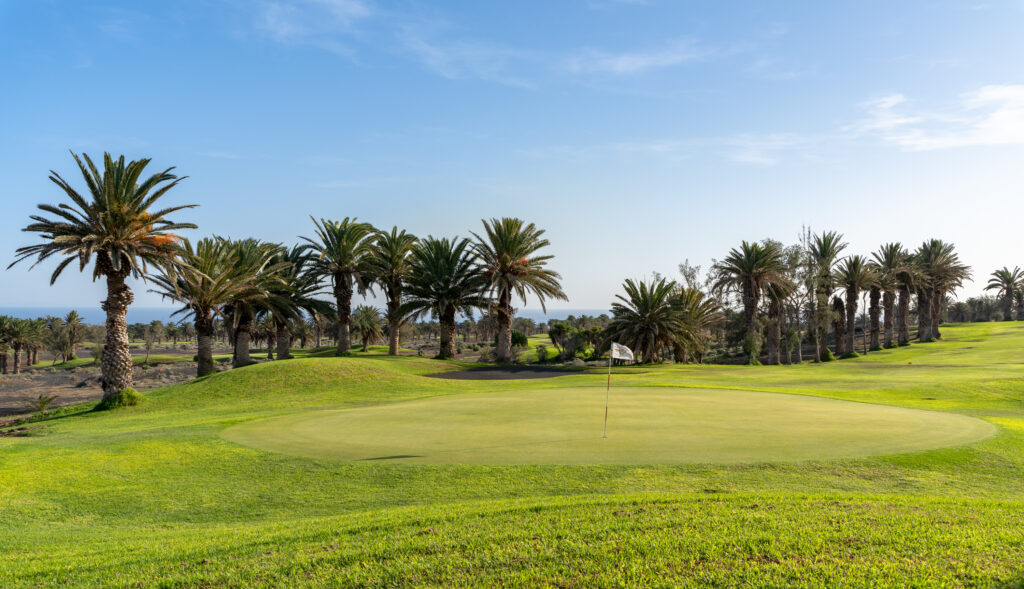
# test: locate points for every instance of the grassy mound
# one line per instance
(155, 496)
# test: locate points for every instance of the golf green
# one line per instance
(645, 425)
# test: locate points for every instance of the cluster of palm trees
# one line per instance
(117, 227)
(809, 289)
(1009, 287)
(61, 336)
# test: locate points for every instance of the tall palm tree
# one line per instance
(941, 273)
(854, 274)
(366, 321)
(444, 280)
(895, 273)
(823, 250)
(1007, 283)
(115, 223)
(341, 255)
(508, 257)
(389, 266)
(749, 270)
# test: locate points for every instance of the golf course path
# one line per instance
(646, 425)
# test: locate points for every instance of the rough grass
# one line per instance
(153, 496)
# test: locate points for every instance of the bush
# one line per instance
(827, 355)
(542, 354)
(40, 403)
(124, 398)
(518, 339)
(849, 355)
(97, 353)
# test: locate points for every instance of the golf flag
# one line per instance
(618, 352)
(621, 352)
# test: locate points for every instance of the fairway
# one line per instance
(647, 425)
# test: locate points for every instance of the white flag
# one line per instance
(621, 352)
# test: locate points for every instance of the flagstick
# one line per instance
(607, 392)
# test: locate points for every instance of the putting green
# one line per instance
(645, 425)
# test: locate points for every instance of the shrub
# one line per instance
(97, 353)
(827, 355)
(40, 403)
(542, 353)
(124, 398)
(518, 339)
(849, 355)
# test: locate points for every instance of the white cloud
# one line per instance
(311, 22)
(594, 61)
(990, 115)
(762, 150)
(464, 59)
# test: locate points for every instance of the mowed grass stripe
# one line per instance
(647, 425)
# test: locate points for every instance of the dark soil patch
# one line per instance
(506, 373)
(19, 432)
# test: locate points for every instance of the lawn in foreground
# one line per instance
(649, 425)
(153, 496)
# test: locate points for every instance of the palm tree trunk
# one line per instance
(888, 321)
(1008, 306)
(343, 298)
(243, 332)
(447, 320)
(394, 321)
(924, 315)
(204, 333)
(284, 341)
(503, 352)
(116, 362)
(851, 319)
(750, 320)
(774, 331)
(875, 312)
(937, 299)
(1020, 305)
(839, 324)
(903, 316)
(17, 358)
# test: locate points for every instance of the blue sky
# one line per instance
(638, 133)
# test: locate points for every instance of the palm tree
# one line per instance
(444, 279)
(209, 277)
(342, 250)
(6, 324)
(823, 250)
(895, 273)
(854, 274)
(366, 321)
(389, 266)
(297, 290)
(941, 273)
(658, 316)
(646, 319)
(698, 313)
(115, 224)
(22, 335)
(749, 270)
(508, 257)
(1007, 282)
(264, 292)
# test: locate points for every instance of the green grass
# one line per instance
(153, 495)
(649, 425)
